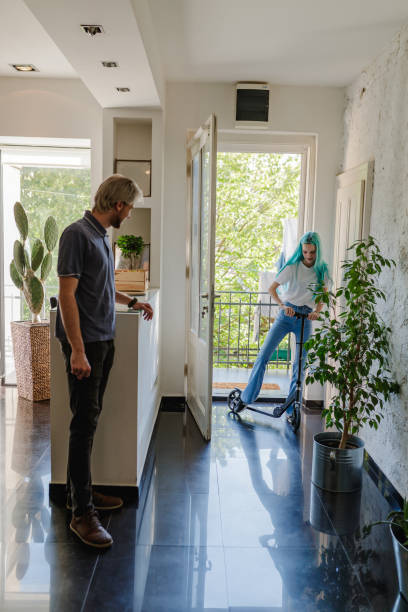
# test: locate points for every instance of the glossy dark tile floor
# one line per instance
(232, 525)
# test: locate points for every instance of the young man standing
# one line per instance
(85, 327)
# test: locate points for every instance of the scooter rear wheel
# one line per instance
(294, 418)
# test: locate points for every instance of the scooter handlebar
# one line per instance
(301, 315)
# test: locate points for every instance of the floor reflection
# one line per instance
(314, 570)
(227, 526)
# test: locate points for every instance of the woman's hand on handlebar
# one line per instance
(314, 315)
(289, 312)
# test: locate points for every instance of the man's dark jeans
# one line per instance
(86, 397)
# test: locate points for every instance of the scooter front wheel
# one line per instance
(235, 404)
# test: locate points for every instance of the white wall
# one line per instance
(316, 110)
(52, 108)
(133, 140)
(376, 127)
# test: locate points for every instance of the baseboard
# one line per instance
(172, 403)
(129, 494)
(383, 484)
(57, 492)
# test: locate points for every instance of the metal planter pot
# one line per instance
(340, 514)
(401, 560)
(339, 471)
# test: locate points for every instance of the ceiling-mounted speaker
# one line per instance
(252, 105)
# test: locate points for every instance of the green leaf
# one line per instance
(21, 221)
(19, 257)
(50, 233)
(37, 254)
(46, 266)
(15, 276)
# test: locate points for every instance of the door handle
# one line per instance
(204, 295)
(204, 311)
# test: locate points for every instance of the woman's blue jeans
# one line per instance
(282, 326)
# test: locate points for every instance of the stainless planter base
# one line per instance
(401, 561)
(339, 471)
(344, 511)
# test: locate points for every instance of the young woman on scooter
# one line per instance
(304, 271)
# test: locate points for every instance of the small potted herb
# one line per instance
(130, 247)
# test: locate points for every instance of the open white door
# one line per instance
(201, 181)
(353, 215)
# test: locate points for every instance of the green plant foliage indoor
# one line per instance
(23, 267)
(130, 245)
(350, 350)
(398, 518)
(63, 193)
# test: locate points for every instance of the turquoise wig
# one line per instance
(320, 266)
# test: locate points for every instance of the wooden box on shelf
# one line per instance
(131, 280)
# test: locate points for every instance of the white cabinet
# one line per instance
(130, 405)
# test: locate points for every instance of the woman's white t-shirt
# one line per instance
(298, 278)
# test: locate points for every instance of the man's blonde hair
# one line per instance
(116, 188)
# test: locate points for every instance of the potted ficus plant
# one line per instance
(398, 522)
(130, 247)
(31, 339)
(350, 351)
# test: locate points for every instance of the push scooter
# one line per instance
(236, 405)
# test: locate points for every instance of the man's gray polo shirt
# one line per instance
(86, 254)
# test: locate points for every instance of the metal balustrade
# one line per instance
(241, 321)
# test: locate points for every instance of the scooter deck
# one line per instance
(259, 411)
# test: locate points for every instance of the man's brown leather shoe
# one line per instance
(102, 502)
(106, 502)
(88, 528)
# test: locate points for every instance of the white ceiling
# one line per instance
(297, 42)
(23, 40)
(121, 42)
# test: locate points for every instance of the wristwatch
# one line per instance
(132, 302)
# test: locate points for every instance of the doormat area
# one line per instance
(242, 385)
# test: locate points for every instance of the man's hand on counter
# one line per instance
(146, 308)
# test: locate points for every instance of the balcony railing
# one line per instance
(241, 321)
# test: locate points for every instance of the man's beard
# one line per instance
(116, 221)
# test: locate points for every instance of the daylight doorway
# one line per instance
(260, 214)
(47, 181)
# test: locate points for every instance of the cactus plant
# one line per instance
(22, 267)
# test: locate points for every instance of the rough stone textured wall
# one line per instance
(376, 127)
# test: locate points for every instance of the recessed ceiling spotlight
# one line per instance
(24, 67)
(92, 30)
(123, 89)
(110, 64)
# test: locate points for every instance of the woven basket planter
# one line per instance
(31, 347)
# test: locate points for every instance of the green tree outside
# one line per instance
(255, 193)
(61, 192)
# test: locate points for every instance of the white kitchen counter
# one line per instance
(130, 406)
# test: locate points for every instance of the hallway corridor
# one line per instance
(233, 525)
